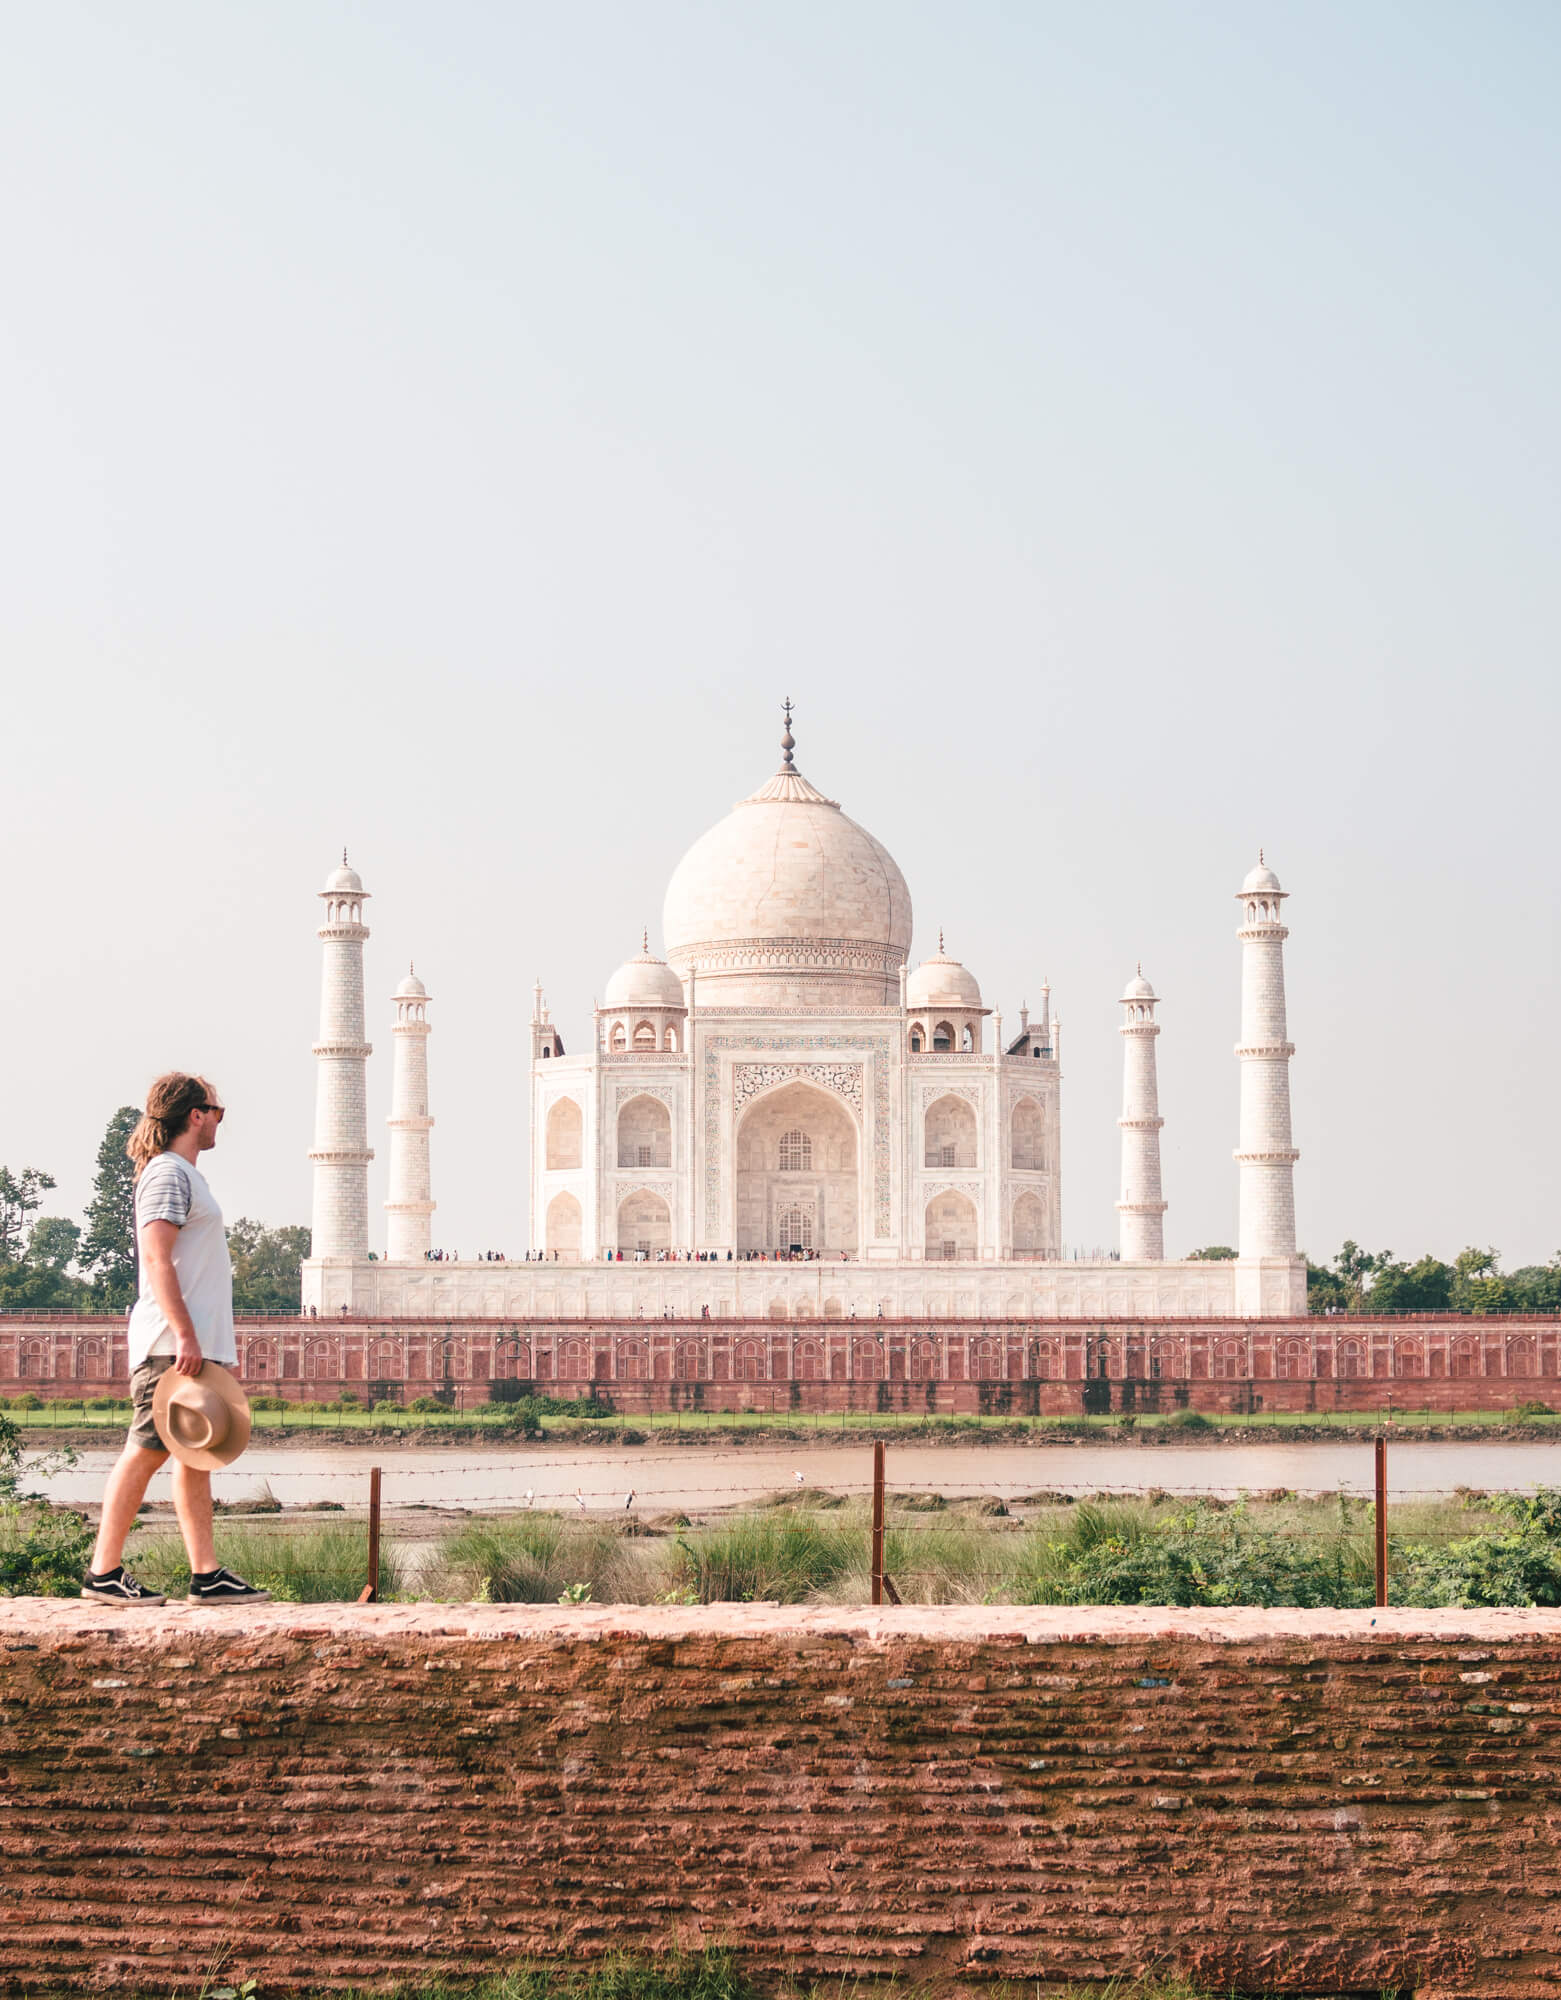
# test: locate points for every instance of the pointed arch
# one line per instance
(1027, 1137)
(565, 1135)
(1029, 1225)
(949, 1133)
(952, 1230)
(644, 1223)
(644, 1133)
(564, 1225)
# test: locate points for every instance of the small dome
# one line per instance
(1261, 881)
(344, 879)
(1138, 988)
(942, 982)
(643, 982)
(411, 988)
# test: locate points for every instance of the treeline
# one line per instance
(49, 1263)
(1378, 1282)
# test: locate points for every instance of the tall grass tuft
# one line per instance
(327, 1565)
(781, 1557)
(711, 1974)
(535, 1559)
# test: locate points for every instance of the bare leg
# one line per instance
(192, 1503)
(122, 1498)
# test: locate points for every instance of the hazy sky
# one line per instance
(1128, 433)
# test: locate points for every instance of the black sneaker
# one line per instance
(119, 1587)
(223, 1587)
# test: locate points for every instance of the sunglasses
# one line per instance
(220, 1109)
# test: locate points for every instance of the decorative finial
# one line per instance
(645, 939)
(411, 966)
(1260, 861)
(344, 857)
(940, 941)
(788, 742)
(1140, 968)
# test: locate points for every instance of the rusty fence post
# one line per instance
(1382, 1520)
(878, 1521)
(371, 1588)
(883, 1584)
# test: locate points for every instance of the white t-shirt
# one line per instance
(169, 1189)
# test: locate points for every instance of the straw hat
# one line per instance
(203, 1419)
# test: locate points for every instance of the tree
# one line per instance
(21, 1196)
(35, 1274)
(265, 1266)
(1424, 1286)
(1325, 1291)
(1212, 1253)
(108, 1246)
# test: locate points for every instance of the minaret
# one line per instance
(1266, 1156)
(409, 1205)
(341, 1133)
(1141, 1231)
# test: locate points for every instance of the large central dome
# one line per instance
(788, 903)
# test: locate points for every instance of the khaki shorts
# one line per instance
(143, 1386)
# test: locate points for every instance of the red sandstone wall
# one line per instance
(1292, 1801)
(1439, 1362)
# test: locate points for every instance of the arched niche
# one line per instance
(1027, 1136)
(950, 1133)
(644, 1223)
(644, 1133)
(565, 1134)
(952, 1229)
(796, 1155)
(563, 1225)
(1029, 1222)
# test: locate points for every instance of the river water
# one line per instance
(696, 1479)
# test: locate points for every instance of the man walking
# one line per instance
(182, 1318)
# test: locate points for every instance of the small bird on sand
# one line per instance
(799, 1479)
(628, 1499)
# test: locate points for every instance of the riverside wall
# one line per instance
(313, 1797)
(1443, 1361)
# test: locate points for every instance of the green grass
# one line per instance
(535, 1559)
(783, 1555)
(715, 1973)
(327, 1565)
(1278, 1549)
(57, 1415)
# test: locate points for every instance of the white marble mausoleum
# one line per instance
(783, 1118)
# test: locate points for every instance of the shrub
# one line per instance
(43, 1550)
(108, 1403)
(427, 1406)
(1533, 1408)
(533, 1559)
(1187, 1420)
(27, 1401)
(268, 1402)
(1487, 1570)
(780, 1556)
(1125, 1555)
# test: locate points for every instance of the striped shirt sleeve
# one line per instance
(163, 1192)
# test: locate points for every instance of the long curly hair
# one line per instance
(169, 1103)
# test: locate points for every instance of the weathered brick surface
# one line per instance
(1303, 1801)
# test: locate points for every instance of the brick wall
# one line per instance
(1311, 1802)
(1020, 1367)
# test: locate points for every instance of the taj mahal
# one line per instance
(782, 1118)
